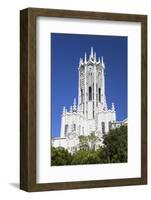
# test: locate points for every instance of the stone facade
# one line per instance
(91, 113)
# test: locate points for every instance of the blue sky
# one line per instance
(66, 49)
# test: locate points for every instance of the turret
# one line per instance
(85, 58)
(91, 52)
(99, 61)
(95, 56)
(74, 105)
(102, 62)
(71, 109)
(81, 62)
(113, 107)
(64, 110)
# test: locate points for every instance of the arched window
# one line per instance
(99, 94)
(90, 93)
(66, 129)
(103, 127)
(110, 126)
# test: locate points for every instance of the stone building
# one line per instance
(91, 114)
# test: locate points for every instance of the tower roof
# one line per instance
(92, 58)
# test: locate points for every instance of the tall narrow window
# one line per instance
(93, 91)
(96, 95)
(81, 96)
(74, 127)
(99, 94)
(103, 127)
(66, 129)
(90, 93)
(110, 126)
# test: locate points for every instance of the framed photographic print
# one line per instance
(83, 99)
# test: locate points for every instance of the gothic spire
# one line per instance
(91, 52)
(99, 60)
(80, 61)
(102, 62)
(71, 109)
(95, 56)
(64, 110)
(74, 105)
(113, 107)
(85, 58)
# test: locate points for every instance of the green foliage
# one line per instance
(85, 157)
(115, 146)
(88, 142)
(60, 156)
(113, 150)
(83, 142)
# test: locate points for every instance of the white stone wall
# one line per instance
(71, 119)
(59, 142)
(106, 117)
(90, 110)
(70, 143)
(78, 125)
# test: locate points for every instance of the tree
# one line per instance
(60, 156)
(88, 142)
(85, 157)
(114, 149)
(83, 142)
(92, 140)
